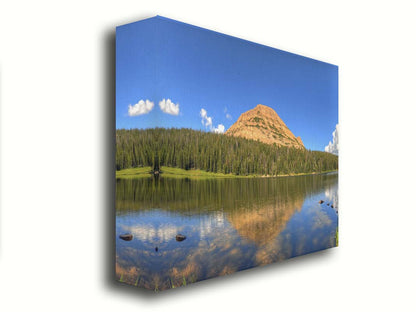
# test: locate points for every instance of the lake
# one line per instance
(230, 225)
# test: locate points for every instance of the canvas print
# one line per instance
(226, 154)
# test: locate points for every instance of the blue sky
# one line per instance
(159, 59)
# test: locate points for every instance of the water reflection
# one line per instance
(230, 224)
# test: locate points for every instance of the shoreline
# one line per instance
(196, 174)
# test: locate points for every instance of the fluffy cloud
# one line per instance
(227, 115)
(207, 122)
(203, 114)
(219, 129)
(168, 107)
(332, 147)
(140, 108)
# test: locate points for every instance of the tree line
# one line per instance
(192, 149)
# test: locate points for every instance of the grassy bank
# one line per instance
(131, 173)
(169, 172)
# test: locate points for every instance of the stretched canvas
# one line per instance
(226, 154)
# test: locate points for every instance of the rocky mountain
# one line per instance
(262, 123)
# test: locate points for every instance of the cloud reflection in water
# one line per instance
(230, 224)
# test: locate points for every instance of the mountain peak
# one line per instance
(265, 108)
(262, 123)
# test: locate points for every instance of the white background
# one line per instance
(56, 111)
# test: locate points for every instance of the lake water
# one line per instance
(229, 224)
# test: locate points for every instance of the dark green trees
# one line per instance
(191, 149)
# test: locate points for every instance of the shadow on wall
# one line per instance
(108, 165)
(108, 202)
(1, 170)
(108, 175)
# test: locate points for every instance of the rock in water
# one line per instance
(126, 237)
(180, 237)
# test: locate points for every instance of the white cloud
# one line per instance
(168, 107)
(227, 115)
(219, 129)
(332, 147)
(207, 122)
(140, 108)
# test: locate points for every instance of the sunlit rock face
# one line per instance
(264, 124)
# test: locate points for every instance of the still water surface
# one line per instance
(230, 225)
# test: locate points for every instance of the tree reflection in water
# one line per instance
(230, 224)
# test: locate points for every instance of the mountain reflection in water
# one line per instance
(230, 225)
